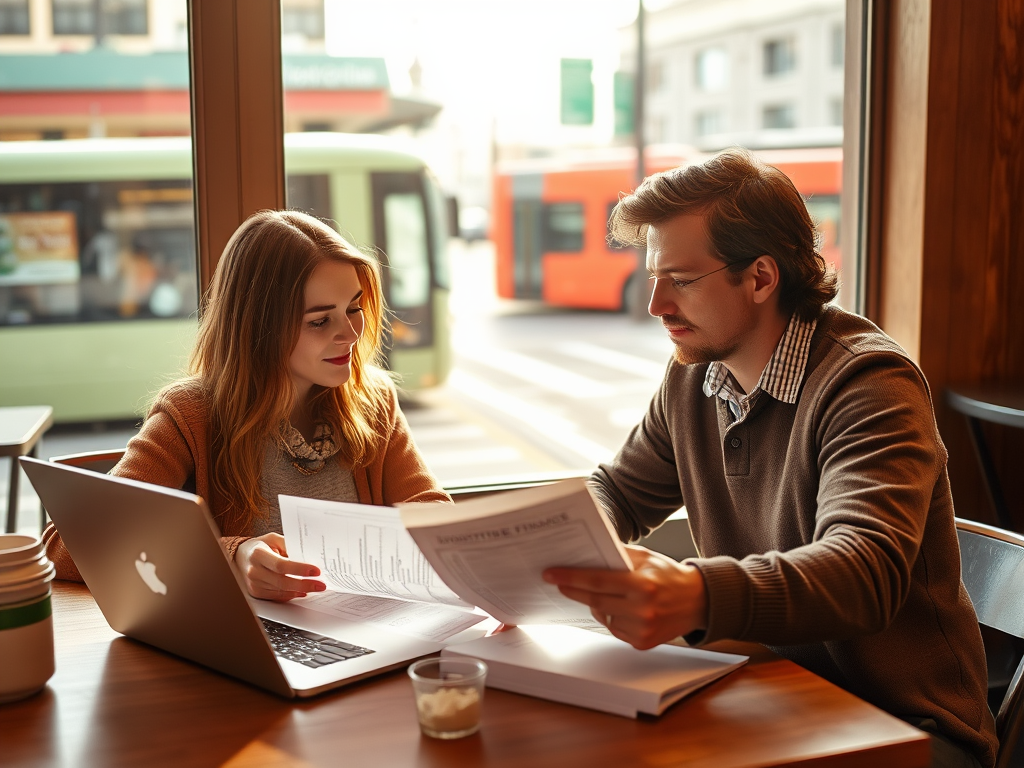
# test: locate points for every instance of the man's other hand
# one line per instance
(659, 600)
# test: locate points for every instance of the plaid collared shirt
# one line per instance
(781, 378)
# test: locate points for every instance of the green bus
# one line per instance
(98, 286)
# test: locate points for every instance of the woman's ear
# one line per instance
(765, 273)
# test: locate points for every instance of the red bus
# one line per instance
(550, 220)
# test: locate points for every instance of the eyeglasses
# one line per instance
(680, 284)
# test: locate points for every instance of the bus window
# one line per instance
(824, 211)
(96, 251)
(613, 244)
(310, 193)
(438, 234)
(563, 227)
(405, 229)
(400, 226)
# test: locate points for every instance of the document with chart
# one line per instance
(488, 552)
(374, 571)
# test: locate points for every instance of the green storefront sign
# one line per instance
(577, 92)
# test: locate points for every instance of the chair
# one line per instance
(992, 569)
(95, 461)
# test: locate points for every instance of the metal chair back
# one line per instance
(992, 569)
(95, 461)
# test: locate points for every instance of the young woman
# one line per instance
(284, 395)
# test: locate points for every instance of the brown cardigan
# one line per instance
(172, 450)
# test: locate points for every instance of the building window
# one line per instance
(838, 41)
(14, 17)
(656, 75)
(303, 17)
(708, 122)
(835, 110)
(712, 69)
(778, 116)
(116, 17)
(779, 56)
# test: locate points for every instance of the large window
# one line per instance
(14, 17)
(97, 251)
(563, 227)
(711, 68)
(778, 116)
(100, 17)
(98, 272)
(779, 56)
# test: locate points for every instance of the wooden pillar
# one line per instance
(948, 232)
(237, 118)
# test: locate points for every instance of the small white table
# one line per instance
(20, 430)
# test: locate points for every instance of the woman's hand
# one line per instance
(270, 575)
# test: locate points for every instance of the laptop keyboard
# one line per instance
(309, 648)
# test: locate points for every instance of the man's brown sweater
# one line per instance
(825, 528)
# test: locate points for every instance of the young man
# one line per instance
(803, 443)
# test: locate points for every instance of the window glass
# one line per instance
(613, 244)
(304, 18)
(837, 43)
(439, 210)
(779, 56)
(778, 116)
(96, 251)
(712, 69)
(14, 17)
(98, 274)
(105, 17)
(563, 227)
(405, 226)
(709, 122)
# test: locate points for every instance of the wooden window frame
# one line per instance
(237, 119)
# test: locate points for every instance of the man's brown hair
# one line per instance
(751, 209)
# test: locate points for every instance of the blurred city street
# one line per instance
(533, 389)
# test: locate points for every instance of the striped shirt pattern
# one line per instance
(781, 378)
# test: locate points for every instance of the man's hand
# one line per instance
(270, 575)
(658, 601)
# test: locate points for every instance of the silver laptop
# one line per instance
(151, 557)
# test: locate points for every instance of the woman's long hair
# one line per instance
(251, 320)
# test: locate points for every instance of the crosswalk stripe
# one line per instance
(545, 375)
(444, 433)
(611, 358)
(548, 424)
(501, 454)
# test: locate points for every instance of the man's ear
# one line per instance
(765, 273)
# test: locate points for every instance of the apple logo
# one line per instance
(148, 573)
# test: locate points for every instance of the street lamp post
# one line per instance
(638, 304)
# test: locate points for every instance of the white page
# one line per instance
(361, 549)
(427, 621)
(492, 551)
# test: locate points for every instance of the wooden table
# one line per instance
(114, 702)
(999, 404)
(20, 430)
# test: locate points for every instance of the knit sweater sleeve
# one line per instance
(402, 472)
(639, 488)
(879, 462)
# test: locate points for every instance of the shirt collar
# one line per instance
(781, 378)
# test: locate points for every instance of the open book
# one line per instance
(596, 671)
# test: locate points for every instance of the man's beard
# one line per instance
(699, 353)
